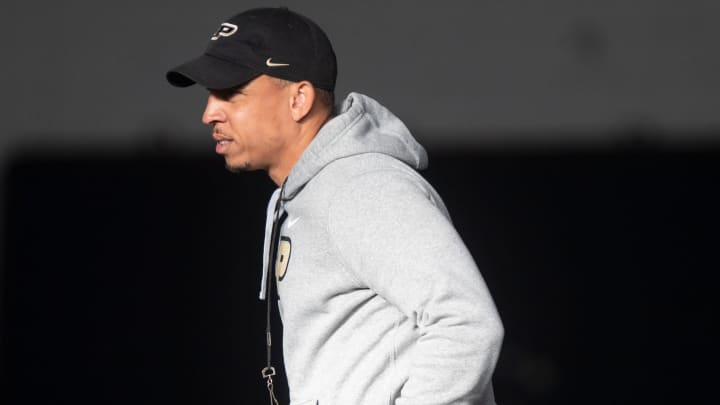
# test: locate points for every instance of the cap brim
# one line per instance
(210, 72)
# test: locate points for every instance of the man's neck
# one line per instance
(308, 131)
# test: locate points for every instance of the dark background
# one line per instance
(134, 278)
(576, 144)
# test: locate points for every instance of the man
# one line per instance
(381, 301)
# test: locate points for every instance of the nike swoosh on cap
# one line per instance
(270, 63)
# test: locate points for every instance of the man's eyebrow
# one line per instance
(229, 92)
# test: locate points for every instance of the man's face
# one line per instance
(250, 124)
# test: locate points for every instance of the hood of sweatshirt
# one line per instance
(361, 126)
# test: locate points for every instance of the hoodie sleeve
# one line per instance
(396, 239)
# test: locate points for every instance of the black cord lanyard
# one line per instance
(269, 370)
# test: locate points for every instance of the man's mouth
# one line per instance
(221, 143)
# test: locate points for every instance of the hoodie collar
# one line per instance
(362, 126)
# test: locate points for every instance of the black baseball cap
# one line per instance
(272, 41)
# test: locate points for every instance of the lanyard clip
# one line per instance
(268, 372)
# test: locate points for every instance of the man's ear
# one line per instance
(302, 99)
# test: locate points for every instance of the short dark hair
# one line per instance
(326, 99)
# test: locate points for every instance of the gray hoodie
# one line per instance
(380, 299)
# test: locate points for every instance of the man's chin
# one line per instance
(237, 167)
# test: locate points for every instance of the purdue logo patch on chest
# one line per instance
(283, 257)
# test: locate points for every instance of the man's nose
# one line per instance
(213, 112)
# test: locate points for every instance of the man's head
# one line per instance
(271, 76)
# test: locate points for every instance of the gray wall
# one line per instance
(78, 73)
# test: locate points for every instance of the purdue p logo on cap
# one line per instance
(225, 30)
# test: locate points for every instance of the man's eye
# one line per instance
(225, 94)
